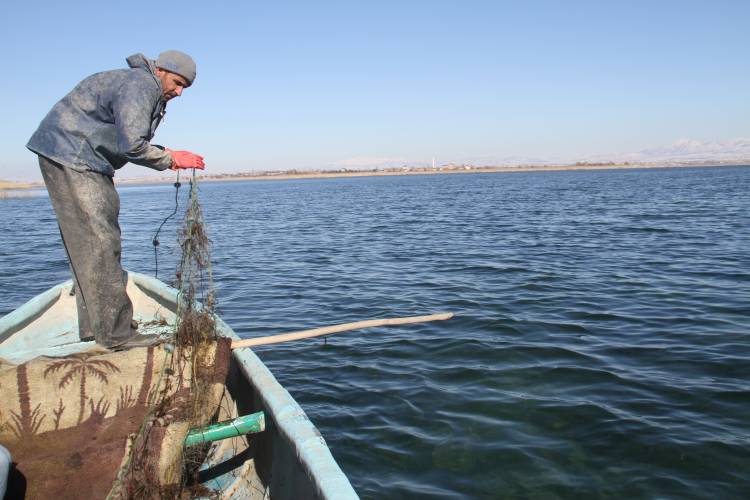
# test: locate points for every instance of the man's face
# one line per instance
(172, 84)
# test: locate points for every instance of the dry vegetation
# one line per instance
(10, 189)
(17, 185)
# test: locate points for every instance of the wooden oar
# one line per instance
(327, 330)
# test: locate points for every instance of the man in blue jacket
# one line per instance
(106, 121)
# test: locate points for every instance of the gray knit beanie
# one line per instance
(177, 62)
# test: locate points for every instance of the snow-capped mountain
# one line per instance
(687, 150)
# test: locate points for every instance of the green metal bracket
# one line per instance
(255, 422)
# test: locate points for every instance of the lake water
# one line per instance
(601, 344)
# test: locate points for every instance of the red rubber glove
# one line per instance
(185, 159)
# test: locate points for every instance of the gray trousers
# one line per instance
(87, 207)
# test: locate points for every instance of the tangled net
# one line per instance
(190, 386)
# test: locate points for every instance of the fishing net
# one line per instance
(192, 379)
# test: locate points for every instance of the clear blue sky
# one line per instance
(314, 84)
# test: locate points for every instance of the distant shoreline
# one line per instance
(12, 189)
(7, 185)
(271, 176)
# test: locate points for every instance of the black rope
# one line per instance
(155, 240)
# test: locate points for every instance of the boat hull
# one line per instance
(290, 459)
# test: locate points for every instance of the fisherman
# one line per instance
(106, 121)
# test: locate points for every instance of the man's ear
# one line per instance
(160, 72)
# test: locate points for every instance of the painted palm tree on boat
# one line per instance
(81, 365)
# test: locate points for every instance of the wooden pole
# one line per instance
(327, 330)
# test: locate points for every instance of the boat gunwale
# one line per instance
(21, 317)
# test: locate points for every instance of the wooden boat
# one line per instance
(289, 459)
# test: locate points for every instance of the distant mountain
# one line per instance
(367, 162)
(687, 150)
(507, 161)
(681, 151)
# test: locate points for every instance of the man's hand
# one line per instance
(185, 159)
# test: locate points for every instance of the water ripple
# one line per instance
(601, 344)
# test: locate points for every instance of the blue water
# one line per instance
(601, 345)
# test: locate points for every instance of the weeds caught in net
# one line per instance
(191, 382)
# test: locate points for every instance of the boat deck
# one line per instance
(53, 331)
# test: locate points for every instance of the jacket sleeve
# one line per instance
(132, 106)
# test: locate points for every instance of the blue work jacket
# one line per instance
(106, 121)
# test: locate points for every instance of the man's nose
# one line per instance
(178, 90)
